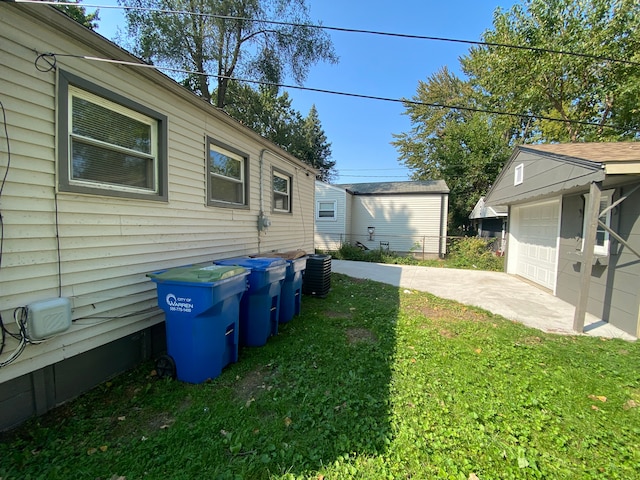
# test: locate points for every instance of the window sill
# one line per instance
(598, 259)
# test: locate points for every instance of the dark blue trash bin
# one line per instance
(202, 307)
(260, 306)
(291, 296)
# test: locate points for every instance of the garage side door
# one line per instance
(536, 235)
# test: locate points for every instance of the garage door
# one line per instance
(535, 234)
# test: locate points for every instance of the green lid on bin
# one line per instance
(198, 273)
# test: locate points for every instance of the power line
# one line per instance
(51, 65)
(341, 29)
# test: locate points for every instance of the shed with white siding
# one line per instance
(114, 171)
(404, 217)
(333, 216)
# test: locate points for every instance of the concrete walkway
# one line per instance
(499, 293)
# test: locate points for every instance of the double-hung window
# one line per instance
(601, 246)
(281, 192)
(326, 210)
(109, 145)
(227, 176)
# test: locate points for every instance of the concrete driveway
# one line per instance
(499, 293)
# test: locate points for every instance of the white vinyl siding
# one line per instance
(107, 245)
(407, 222)
(330, 233)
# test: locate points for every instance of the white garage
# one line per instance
(533, 242)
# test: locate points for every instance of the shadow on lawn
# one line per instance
(316, 393)
(325, 393)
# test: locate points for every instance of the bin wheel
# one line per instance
(165, 367)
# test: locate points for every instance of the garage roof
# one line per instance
(393, 188)
(539, 171)
(616, 157)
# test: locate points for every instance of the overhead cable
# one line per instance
(339, 29)
(48, 56)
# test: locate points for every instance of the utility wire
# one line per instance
(339, 29)
(404, 101)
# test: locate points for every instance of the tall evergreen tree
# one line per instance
(272, 116)
(315, 149)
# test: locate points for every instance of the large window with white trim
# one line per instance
(109, 145)
(227, 176)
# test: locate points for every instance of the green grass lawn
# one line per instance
(372, 382)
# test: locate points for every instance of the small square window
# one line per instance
(326, 210)
(281, 192)
(518, 174)
(227, 173)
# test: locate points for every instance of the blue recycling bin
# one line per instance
(202, 311)
(291, 296)
(260, 306)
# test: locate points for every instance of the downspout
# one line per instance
(263, 221)
(261, 197)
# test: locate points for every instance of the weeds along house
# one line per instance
(114, 171)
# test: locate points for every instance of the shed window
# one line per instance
(281, 192)
(326, 210)
(227, 173)
(601, 246)
(110, 146)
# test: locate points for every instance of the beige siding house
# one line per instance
(114, 171)
(404, 217)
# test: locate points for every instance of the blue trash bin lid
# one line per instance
(255, 263)
(198, 273)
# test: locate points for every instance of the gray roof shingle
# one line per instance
(411, 187)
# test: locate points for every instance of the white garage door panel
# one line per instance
(537, 242)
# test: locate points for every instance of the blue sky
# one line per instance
(360, 130)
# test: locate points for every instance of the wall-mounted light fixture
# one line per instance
(372, 231)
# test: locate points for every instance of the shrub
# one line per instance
(474, 252)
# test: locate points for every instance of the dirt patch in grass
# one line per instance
(161, 421)
(253, 384)
(437, 312)
(530, 340)
(334, 314)
(447, 333)
(357, 335)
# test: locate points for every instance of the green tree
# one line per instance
(272, 116)
(468, 148)
(80, 15)
(463, 147)
(564, 87)
(224, 38)
(314, 148)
